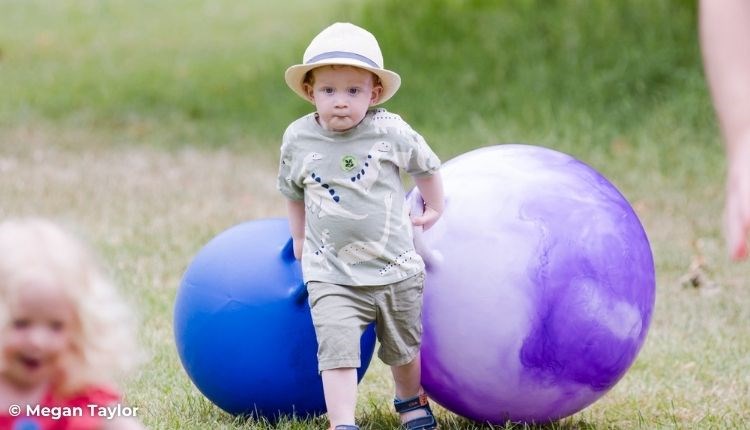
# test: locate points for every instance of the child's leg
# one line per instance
(407, 380)
(340, 314)
(340, 390)
(400, 331)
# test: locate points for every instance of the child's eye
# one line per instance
(21, 323)
(56, 326)
(354, 91)
(327, 90)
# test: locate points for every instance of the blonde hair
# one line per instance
(103, 339)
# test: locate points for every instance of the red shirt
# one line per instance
(71, 413)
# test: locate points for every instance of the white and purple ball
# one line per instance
(540, 286)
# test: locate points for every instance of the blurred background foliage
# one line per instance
(577, 75)
(598, 66)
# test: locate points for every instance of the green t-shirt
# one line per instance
(357, 226)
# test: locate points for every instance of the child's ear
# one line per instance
(377, 90)
(309, 92)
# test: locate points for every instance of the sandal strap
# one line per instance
(423, 423)
(426, 422)
(416, 402)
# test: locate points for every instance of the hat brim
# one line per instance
(295, 76)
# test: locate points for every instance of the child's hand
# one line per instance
(428, 218)
(431, 190)
(297, 246)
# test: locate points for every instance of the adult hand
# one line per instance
(737, 206)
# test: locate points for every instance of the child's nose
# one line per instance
(341, 102)
(39, 337)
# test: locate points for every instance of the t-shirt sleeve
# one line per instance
(421, 160)
(288, 181)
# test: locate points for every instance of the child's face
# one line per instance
(39, 335)
(342, 95)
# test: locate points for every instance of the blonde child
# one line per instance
(64, 334)
(350, 225)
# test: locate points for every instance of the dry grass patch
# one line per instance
(148, 211)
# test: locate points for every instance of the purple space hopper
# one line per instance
(540, 286)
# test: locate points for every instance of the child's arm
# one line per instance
(431, 188)
(296, 211)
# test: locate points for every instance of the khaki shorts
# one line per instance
(341, 313)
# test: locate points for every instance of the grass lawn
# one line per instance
(150, 127)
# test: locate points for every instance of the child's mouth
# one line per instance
(31, 363)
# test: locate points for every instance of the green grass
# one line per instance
(167, 73)
(194, 73)
(148, 213)
(152, 126)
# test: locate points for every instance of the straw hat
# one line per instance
(344, 44)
